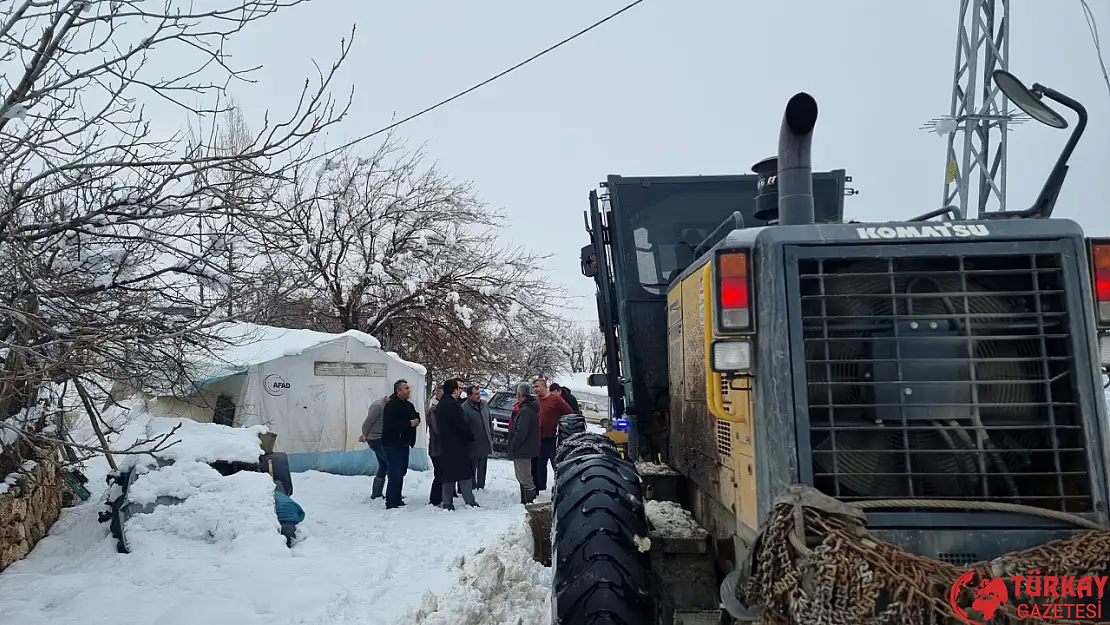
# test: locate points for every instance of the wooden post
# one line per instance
(539, 520)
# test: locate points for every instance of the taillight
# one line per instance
(734, 291)
(1100, 263)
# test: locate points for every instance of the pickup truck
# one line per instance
(500, 409)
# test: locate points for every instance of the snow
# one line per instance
(497, 585)
(465, 314)
(654, 468)
(15, 111)
(195, 442)
(669, 520)
(179, 480)
(249, 344)
(234, 513)
(217, 558)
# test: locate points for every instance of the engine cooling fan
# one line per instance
(874, 452)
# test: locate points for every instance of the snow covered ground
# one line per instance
(357, 563)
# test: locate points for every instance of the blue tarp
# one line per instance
(361, 462)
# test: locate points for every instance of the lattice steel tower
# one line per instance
(980, 117)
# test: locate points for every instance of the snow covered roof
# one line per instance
(247, 344)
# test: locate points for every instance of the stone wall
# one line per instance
(28, 509)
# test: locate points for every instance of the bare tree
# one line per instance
(392, 246)
(100, 253)
(583, 348)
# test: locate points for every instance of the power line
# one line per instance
(481, 84)
(1089, 15)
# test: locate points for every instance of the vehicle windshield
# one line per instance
(503, 400)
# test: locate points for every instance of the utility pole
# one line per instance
(979, 117)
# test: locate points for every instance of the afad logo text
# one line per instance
(1035, 596)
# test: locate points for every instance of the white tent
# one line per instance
(311, 388)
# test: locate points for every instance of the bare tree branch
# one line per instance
(115, 241)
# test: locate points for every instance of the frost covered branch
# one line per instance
(114, 234)
(391, 245)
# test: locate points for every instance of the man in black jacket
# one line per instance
(567, 396)
(455, 438)
(524, 441)
(399, 422)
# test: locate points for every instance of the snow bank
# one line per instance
(235, 512)
(498, 585)
(179, 480)
(192, 441)
(214, 559)
(207, 442)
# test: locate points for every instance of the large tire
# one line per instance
(601, 576)
(569, 425)
(588, 440)
(574, 454)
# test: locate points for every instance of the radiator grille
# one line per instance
(724, 438)
(948, 378)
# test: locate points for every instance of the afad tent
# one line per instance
(312, 389)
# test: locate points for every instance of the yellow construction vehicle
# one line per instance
(845, 417)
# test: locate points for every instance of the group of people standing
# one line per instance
(532, 429)
(460, 439)
(390, 430)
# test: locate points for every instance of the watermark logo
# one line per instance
(1034, 596)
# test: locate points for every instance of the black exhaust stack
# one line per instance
(795, 169)
(767, 190)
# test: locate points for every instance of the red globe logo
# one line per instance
(990, 594)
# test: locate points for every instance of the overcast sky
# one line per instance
(682, 88)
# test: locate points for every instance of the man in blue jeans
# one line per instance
(372, 435)
(399, 422)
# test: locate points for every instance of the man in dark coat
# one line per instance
(478, 420)
(524, 441)
(435, 498)
(455, 437)
(399, 422)
(567, 396)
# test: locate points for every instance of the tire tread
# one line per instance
(601, 576)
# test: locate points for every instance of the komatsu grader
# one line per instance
(835, 422)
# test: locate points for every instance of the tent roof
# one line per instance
(248, 344)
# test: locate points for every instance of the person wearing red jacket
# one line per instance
(552, 408)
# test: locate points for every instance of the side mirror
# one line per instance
(589, 261)
(597, 379)
(1031, 101)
